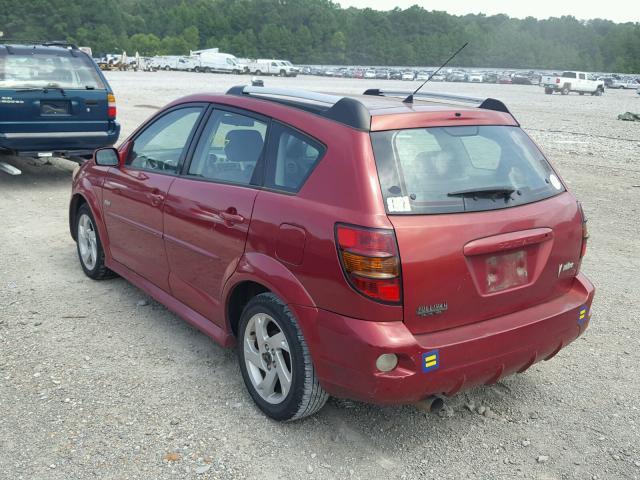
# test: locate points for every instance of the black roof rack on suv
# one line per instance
(44, 43)
(346, 110)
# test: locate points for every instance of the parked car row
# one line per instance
(411, 74)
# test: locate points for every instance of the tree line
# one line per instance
(321, 32)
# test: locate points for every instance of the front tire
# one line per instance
(275, 361)
(548, 91)
(89, 246)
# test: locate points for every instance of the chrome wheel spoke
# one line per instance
(284, 375)
(268, 384)
(261, 331)
(278, 342)
(251, 355)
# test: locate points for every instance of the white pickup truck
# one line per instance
(265, 66)
(572, 82)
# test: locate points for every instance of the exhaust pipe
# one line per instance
(431, 404)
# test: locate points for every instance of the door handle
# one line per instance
(156, 199)
(231, 218)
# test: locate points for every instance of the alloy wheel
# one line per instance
(267, 358)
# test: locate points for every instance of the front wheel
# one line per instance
(548, 91)
(598, 92)
(89, 246)
(275, 361)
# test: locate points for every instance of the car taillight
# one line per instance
(370, 260)
(111, 106)
(557, 80)
(585, 231)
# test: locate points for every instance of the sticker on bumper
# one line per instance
(430, 360)
(582, 315)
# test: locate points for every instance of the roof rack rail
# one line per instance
(346, 110)
(44, 43)
(485, 103)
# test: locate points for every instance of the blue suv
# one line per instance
(54, 100)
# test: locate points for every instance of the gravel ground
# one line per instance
(99, 381)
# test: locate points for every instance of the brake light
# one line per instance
(585, 231)
(557, 80)
(111, 106)
(370, 261)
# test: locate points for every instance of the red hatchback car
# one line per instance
(358, 246)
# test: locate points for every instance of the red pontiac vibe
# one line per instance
(359, 246)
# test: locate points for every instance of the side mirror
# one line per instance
(107, 157)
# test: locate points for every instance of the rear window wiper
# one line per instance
(41, 89)
(491, 192)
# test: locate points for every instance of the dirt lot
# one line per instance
(98, 381)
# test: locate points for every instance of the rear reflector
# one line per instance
(585, 231)
(111, 106)
(370, 261)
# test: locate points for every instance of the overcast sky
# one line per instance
(618, 11)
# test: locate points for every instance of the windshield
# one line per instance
(458, 169)
(38, 70)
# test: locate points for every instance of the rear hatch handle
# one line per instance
(507, 241)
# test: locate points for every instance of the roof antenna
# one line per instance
(409, 99)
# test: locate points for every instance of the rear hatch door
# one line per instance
(484, 226)
(50, 89)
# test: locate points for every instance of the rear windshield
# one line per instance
(460, 169)
(48, 70)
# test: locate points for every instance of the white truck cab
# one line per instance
(572, 82)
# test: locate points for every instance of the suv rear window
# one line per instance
(437, 170)
(49, 70)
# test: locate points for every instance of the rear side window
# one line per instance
(38, 70)
(458, 169)
(230, 148)
(292, 157)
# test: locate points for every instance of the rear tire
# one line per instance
(565, 90)
(89, 246)
(258, 72)
(548, 91)
(275, 361)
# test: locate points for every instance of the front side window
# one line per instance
(160, 146)
(230, 147)
(457, 169)
(292, 156)
(39, 70)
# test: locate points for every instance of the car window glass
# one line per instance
(293, 156)
(483, 152)
(229, 149)
(160, 145)
(582, 76)
(49, 70)
(423, 168)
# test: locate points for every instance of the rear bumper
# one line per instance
(58, 142)
(344, 350)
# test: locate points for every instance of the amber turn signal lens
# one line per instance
(370, 267)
